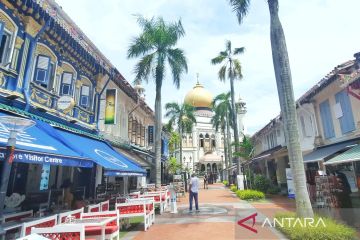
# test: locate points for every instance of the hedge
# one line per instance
(250, 194)
(327, 229)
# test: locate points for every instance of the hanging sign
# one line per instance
(290, 183)
(65, 103)
(110, 108)
(151, 134)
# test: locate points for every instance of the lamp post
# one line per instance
(12, 125)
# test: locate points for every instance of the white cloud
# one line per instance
(320, 34)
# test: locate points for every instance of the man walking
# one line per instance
(193, 192)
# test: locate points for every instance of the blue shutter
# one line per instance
(2, 25)
(326, 119)
(42, 69)
(347, 123)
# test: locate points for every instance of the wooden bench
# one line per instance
(44, 222)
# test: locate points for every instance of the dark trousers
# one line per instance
(195, 196)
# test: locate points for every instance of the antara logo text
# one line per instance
(290, 222)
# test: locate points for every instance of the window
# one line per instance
(347, 119)
(42, 70)
(84, 96)
(66, 83)
(306, 126)
(326, 120)
(201, 140)
(5, 44)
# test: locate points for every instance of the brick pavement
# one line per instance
(219, 212)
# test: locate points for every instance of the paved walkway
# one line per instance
(220, 210)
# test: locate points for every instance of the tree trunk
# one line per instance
(288, 109)
(228, 142)
(158, 135)
(181, 145)
(226, 154)
(234, 119)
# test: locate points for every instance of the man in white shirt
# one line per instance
(193, 192)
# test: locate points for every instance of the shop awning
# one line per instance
(322, 153)
(266, 154)
(36, 146)
(136, 158)
(350, 155)
(100, 152)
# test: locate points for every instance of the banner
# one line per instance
(110, 108)
(290, 183)
(151, 134)
(45, 174)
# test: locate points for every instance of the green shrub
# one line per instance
(261, 183)
(233, 188)
(329, 230)
(226, 182)
(273, 189)
(250, 194)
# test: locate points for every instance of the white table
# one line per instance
(33, 236)
(94, 222)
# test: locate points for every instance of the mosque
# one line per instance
(203, 149)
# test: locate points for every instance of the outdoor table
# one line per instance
(94, 222)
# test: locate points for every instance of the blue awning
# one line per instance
(100, 152)
(326, 152)
(36, 146)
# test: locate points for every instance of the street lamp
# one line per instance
(12, 125)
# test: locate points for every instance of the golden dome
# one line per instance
(199, 97)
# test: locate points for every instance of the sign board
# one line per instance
(65, 103)
(151, 134)
(240, 181)
(290, 183)
(110, 107)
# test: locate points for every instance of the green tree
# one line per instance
(286, 98)
(156, 48)
(173, 165)
(182, 115)
(231, 69)
(174, 141)
(220, 120)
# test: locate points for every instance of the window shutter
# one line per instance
(347, 123)
(67, 78)
(43, 62)
(326, 120)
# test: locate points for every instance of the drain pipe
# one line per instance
(29, 63)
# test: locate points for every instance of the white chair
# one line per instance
(105, 206)
(17, 216)
(137, 208)
(44, 222)
(159, 199)
(93, 208)
(68, 231)
(75, 213)
(111, 229)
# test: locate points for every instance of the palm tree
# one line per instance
(286, 98)
(183, 116)
(222, 108)
(155, 47)
(231, 69)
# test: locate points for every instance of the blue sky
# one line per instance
(320, 34)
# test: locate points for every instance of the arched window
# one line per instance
(201, 138)
(207, 141)
(44, 68)
(85, 93)
(190, 143)
(67, 80)
(184, 139)
(8, 31)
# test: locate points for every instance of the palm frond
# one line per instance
(219, 59)
(238, 51)
(228, 46)
(139, 46)
(143, 68)
(237, 70)
(222, 73)
(177, 63)
(241, 8)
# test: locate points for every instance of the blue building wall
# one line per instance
(43, 58)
